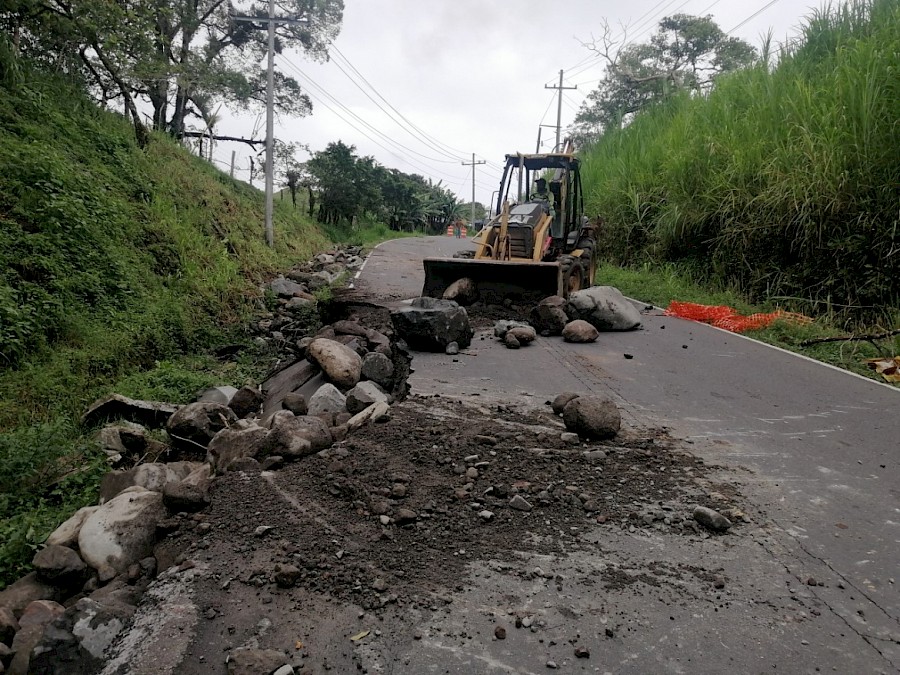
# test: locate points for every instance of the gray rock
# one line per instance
(327, 399)
(60, 565)
(519, 503)
(341, 365)
(234, 443)
(592, 417)
(463, 291)
(604, 307)
(221, 394)
(502, 327)
(116, 406)
(8, 625)
(195, 425)
(549, 315)
(363, 395)
(285, 288)
(121, 532)
(524, 334)
(67, 533)
(579, 331)
(294, 437)
(287, 575)
(569, 437)
(300, 303)
(296, 403)
(152, 476)
(486, 515)
(254, 661)
(246, 401)
(711, 519)
(511, 341)
(184, 497)
(452, 349)
(378, 368)
(33, 622)
(373, 413)
(559, 403)
(22, 592)
(430, 324)
(75, 644)
(123, 438)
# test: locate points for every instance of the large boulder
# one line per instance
(363, 395)
(22, 592)
(152, 476)
(285, 288)
(121, 531)
(8, 625)
(220, 394)
(249, 661)
(503, 326)
(244, 439)
(580, 331)
(341, 365)
(294, 437)
(67, 533)
(195, 425)
(116, 406)
(549, 315)
(246, 401)
(378, 368)
(75, 643)
(431, 324)
(60, 565)
(604, 307)
(327, 399)
(33, 622)
(592, 417)
(464, 291)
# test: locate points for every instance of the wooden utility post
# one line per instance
(560, 87)
(473, 164)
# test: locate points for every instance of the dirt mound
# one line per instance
(402, 509)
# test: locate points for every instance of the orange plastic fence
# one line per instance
(722, 316)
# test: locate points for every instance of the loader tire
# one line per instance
(573, 274)
(586, 244)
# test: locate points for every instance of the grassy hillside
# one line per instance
(782, 183)
(118, 266)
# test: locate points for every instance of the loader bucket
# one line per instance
(496, 280)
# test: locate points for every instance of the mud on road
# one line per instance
(390, 522)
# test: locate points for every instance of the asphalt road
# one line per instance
(814, 449)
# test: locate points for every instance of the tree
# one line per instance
(686, 53)
(182, 56)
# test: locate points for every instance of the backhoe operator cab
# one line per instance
(538, 244)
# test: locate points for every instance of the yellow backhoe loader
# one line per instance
(539, 243)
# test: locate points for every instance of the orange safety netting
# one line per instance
(722, 316)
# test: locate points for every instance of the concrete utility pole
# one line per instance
(473, 164)
(233, 153)
(560, 87)
(270, 107)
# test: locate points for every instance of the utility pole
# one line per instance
(540, 129)
(233, 153)
(560, 87)
(473, 164)
(270, 106)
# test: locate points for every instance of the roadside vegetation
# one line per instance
(780, 183)
(120, 269)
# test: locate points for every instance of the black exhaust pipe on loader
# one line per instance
(495, 280)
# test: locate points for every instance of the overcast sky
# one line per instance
(471, 76)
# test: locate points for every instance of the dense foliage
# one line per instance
(116, 264)
(349, 188)
(182, 57)
(687, 53)
(783, 181)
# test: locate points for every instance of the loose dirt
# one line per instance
(401, 509)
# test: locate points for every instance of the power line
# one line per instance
(393, 153)
(752, 16)
(434, 141)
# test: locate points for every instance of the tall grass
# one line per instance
(784, 182)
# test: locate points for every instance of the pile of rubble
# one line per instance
(443, 324)
(96, 566)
